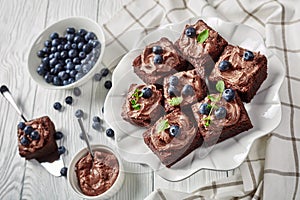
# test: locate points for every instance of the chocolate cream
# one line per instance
(96, 177)
(165, 143)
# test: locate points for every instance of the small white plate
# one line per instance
(264, 110)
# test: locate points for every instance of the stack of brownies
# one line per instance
(174, 103)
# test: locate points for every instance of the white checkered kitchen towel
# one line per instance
(271, 171)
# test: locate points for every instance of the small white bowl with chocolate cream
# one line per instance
(100, 178)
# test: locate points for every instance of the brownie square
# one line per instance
(189, 87)
(244, 76)
(218, 129)
(197, 53)
(153, 73)
(171, 146)
(45, 148)
(142, 110)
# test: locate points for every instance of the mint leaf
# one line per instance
(207, 121)
(141, 94)
(163, 125)
(136, 106)
(203, 36)
(136, 93)
(220, 86)
(212, 98)
(175, 101)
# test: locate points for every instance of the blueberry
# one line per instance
(96, 125)
(47, 43)
(77, 91)
(72, 53)
(66, 82)
(74, 46)
(104, 72)
(73, 73)
(51, 56)
(220, 113)
(108, 84)
(71, 80)
(60, 47)
(87, 48)
(68, 60)
(70, 37)
(53, 62)
(70, 66)
(54, 35)
(110, 132)
(64, 54)
(76, 60)
(190, 32)
(57, 106)
(96, 43)
(82, 55)
(79, 113)
(79, 76)
(58, 135)
(80, 45)
(35, 135)
(174, 130)
(69, 100)
(86, 68)
(188, 90)
(67, 47)
(173, 80)
(21, 125)
(248, 56)
(204, 109)
(46, 50)
(157, 59)
(224, 65)
(64, 171)
(172, 91)
(57, 55)
(82, 32)
(27, 130)
(61, 150)
(41, 54)
(157, 49)
(97, 77)
(55, 42)
(78, 39)
(53, 49)
(70, 30)
(90, 36)
(24, 141)
(59, 67)
(96, 119)
(78, 68)
(41, 71)
(228, 94)
(63, 75)
(48, 78)
(147, 92)
(45, 61)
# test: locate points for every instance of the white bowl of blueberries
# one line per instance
(67, 53)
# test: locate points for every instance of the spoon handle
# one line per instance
(6, 93)
(85, 137)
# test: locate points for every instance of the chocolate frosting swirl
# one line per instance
(169, 55)
(240, 73)
(165, 143)
(96, 177)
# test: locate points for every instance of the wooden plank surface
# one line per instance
(21, 22)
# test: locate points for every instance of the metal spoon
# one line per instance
(53, 167)
(85, 137)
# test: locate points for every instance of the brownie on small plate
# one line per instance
(220, 117)
(173, 137)
(36, 140)
(158, 59)
(184, 88)
(200, 44)
(241, 70)
(142, 105)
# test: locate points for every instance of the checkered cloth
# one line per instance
(271, 170)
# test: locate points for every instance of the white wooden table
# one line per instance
(20, 23)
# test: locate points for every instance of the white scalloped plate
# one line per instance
(264, 110)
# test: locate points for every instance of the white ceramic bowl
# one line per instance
(60, 27)
(73, 181)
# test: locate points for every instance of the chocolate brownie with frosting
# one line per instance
(173, 137)
(36, 140)
(241, 70)
(143, 105)
(158, 59)
(200, 45)
(219, 119)
(184, 88)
